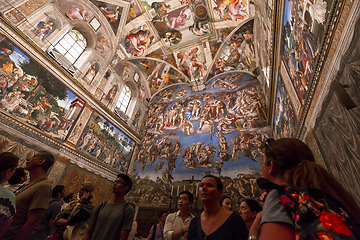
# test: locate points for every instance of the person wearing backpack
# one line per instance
(304, 201)
(157, 230)
(113, 219)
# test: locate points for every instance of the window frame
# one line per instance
(125, 93)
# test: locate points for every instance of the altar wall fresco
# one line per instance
(219, 131)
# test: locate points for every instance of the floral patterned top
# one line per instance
(317, 215)
(7, 204)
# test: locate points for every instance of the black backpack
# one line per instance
(316, 214)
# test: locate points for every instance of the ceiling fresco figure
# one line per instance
(77, 13)
(111, 12)
(138, 41)
(231, 9)
(237, 53)
(190, 64)
(46, 26)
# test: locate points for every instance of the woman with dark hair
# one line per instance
(226, 202)
(248, 209)
(289, 162)
(215, 222)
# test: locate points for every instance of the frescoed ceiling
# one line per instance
(174, 41)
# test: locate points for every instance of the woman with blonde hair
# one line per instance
(290, 165)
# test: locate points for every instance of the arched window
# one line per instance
(68, 49)
(124, 99)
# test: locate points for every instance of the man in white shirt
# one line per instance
(177, 223)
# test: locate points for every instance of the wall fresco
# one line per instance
(33, 95)
(285, 117)
(103, 141)
(263, 37)
(303, 28)
(219, 130)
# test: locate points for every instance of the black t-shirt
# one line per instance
(233, 228)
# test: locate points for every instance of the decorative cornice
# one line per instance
(275, 49)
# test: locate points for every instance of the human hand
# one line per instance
(84, 197)
(264, 195)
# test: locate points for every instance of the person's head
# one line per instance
(59, 191)
(122, 184)
(86, 187)
(226, 202)
(8, 164)
(70, 197)
(210, 188)
(292, 161)
(186, 199)
(162, 216)
(19, 176)
(42, 159)
(248, 209)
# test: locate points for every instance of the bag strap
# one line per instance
(199, 231)
(123, 216)
(102, 205)
(154, 231)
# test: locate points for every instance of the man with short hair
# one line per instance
(17, 179)
(177, 223)
(112, 220)
(32, 199)
(42, 230)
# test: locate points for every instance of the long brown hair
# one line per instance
(296, 162)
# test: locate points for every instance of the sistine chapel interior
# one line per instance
(169, 91)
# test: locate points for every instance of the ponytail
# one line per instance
(294, 160)
(309, 174)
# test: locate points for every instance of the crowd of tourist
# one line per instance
(301, 200)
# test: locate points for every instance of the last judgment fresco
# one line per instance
(219, 130)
